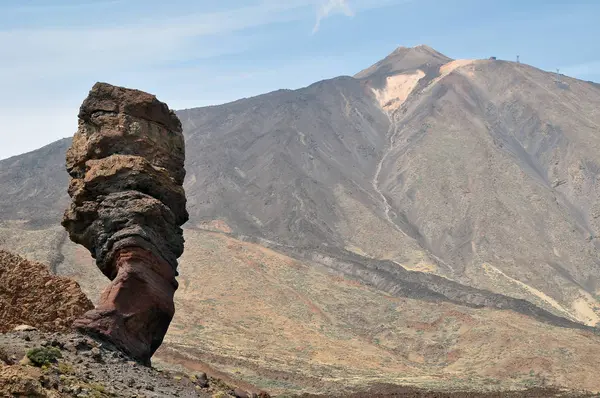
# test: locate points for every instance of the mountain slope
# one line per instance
(33, 185)
(463, 183)
(475, 150)
(268, 164)
(494, 169)
(421, 160)
(288, 326)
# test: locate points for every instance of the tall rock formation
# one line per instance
(126, 164)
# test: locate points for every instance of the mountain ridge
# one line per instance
(338, 159)
(472, 183)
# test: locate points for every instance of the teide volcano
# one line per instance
(409, 216)
(484, 172)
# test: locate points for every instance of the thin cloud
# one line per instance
(53, 51)
(327, 8)
(332, 7)
(57, 63)
(49, 65)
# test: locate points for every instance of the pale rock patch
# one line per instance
(397, 89)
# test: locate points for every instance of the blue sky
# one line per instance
(194, 53)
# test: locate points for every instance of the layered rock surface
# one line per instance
(126, 165)
(30, 295)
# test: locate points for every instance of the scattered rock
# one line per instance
(96, 354)
(53, 343)
(239, 393)
(20, 382)
(76, 374)
(202, 380)
(5, 359)
(24, 328)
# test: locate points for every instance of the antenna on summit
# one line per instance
(518, 61)
(561, 84)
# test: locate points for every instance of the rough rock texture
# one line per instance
(89, 368)
(126, 166)
(391, 391)
(30, 295)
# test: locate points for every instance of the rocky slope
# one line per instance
(471, 182)
(291, 326)
(41, 356)
(74, 365)
(484, 172)
(493, 169)
(30, 295)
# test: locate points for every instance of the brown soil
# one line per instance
(389, 391)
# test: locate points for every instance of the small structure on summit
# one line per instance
(126, 165)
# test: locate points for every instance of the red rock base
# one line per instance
(137, 307)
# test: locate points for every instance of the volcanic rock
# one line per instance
(31, 297)
(126, 165)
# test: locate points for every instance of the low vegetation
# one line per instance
(41, 356)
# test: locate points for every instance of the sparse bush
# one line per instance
(43, 355)
(97, 387)
(65, 368)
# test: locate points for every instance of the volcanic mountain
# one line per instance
(428, 216)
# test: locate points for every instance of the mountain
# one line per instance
(335, 218)
(484, 172)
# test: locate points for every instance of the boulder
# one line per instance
(24, 328)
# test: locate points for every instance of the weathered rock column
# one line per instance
(127, 168)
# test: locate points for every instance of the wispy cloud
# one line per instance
(349, 8)
(53, 52)
(53, 64)
(331, 7)
(84, 49)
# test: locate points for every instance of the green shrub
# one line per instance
(43, 355)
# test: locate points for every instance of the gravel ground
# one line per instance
(90, 368)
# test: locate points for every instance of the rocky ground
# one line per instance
(30, 294)
(79, 366)
(408, 392)
(52, 361)
(389, 391)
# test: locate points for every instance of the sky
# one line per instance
(192, 53)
